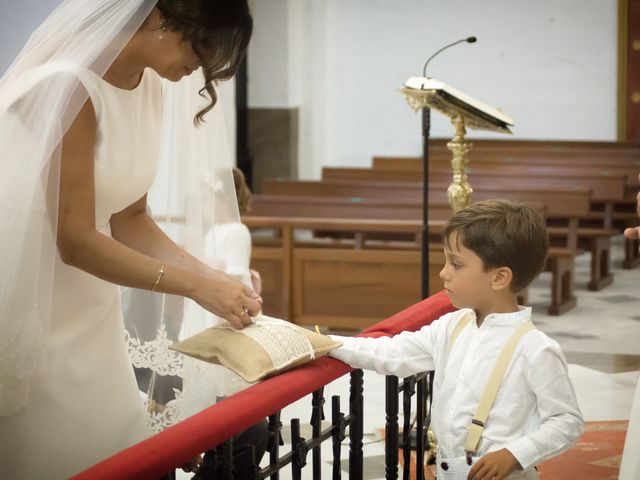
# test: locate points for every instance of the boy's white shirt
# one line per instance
(535, 414)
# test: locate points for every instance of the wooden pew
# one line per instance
(542, 147)
(546, 146)
(560, 263)
(544, 158)
(340, 284)
(612, 213)
(562, 204)
(611, 207)
(603, 189)
(594, 240)
(516, 165)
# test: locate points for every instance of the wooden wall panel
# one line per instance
(629, 65)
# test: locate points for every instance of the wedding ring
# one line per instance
(245, 310)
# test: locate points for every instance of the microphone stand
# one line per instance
(426, 128)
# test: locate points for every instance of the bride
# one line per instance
(102, 101)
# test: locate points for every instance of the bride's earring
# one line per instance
(164, 29)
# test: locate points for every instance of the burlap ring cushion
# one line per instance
(265, 348)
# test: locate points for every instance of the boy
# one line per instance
(493, 250)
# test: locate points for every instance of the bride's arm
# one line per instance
(81, 245)
(134, 228)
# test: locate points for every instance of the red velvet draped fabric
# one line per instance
(173, 447)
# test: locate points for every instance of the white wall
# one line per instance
(549, 64)
(18, 18)
(269, 54)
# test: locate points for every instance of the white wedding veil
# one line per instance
(39, 98)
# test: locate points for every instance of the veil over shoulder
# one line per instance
(40, 95)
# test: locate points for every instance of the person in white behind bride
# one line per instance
(205, 383)
(234, 238)
(105, 96)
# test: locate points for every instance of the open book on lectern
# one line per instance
(451, 102)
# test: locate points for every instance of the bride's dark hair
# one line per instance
(219, 31)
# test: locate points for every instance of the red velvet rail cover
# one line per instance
(153, 457)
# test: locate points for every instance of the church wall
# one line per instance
(327, 71)
(549, 64)
(18, 19)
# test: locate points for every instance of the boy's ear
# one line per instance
(502, 278)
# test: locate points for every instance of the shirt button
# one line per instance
(445, 466)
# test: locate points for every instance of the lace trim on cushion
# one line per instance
(282, 341)
(155, 354)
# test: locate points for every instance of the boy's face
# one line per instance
(466, 282)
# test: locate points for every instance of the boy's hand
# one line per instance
(495, 465)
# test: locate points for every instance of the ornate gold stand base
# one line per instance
(459, 192)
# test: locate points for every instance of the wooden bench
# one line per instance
(568, 150)
(412, 168)
(594, 240)
(545, 146)
(603, 189)
(560, 262)
(610, 213)
(340, 284)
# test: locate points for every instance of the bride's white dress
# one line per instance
(86, 406)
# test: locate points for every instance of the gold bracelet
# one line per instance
(160, 275)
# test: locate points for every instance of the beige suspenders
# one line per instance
(464, 321)
(493, 384)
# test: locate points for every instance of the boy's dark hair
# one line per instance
(503, 234)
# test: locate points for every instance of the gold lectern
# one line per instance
(423, 93)
(465, 112)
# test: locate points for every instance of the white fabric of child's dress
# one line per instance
(86, 406)
(205, 383)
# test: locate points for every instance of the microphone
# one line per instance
(468, 40)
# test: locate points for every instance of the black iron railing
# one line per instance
(160, 454)
(413, 436)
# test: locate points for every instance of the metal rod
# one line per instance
(391, 428)
(275, 427)
(355, 424)
(297, 464)
(317, 415)
(420, 429)
(224, 454)
(408, 391)
(426, 127)
(337, 421)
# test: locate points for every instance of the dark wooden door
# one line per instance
(630, 70)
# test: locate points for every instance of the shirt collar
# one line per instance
(507, 319)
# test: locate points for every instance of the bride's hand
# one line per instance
(226, 297)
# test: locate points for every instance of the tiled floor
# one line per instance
(600, 338)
